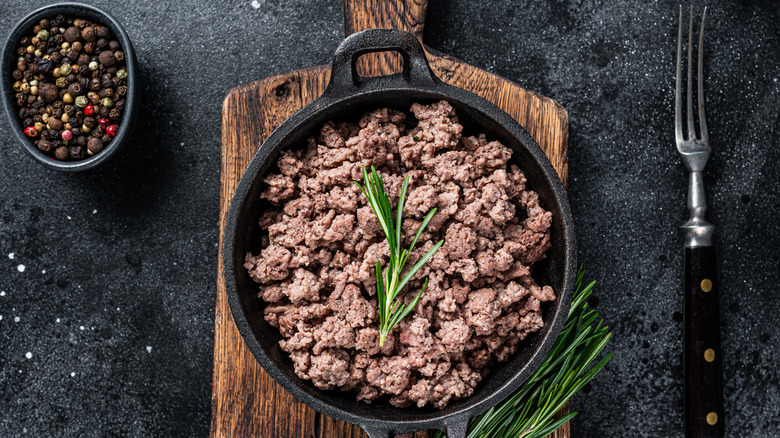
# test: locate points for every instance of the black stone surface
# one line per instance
(108, 330)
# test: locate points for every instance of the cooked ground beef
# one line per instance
(317, 267)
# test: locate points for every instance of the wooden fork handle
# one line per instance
(702, 355)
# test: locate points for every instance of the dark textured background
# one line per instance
(115, 305)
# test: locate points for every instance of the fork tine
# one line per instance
(678, 125)
(691, 128)
(700, 79)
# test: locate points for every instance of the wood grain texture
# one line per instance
(246, 402)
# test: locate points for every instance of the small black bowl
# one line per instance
(8, 59)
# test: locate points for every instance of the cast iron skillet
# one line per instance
(347, 97)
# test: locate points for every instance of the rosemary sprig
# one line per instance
(389, 282)
(530, 412)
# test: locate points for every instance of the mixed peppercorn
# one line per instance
(70, 85)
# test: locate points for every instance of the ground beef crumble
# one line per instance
(316, 270)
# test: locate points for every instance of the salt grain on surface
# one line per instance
(11, 255)
(16, 319)
(20, 268)
(28, 355)
(148, 348)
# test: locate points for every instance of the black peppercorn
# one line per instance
(97, 132)
(25, 41)
(72, 34)
(83, 60)
(17, 75)
(72, 54)
(106, 138)
(75, 89)
(120, 105)
(101, 43)
(76, 152)
(89, 122)
(114, 114)
(24, 113)
(88, 34)
(82, 141)
(84, 83)
(44, 145)
(89, 47)
(119, 55)
(44, 66)
(71, 78)
(56, 58)
(105, 81)
(94, 145)
(27, 122)
(113, 45)
(104, 112)
(69, 110)
(116, 82)
(53, 134)
(37, 118)
(55, 123)
(59, 39)
(103, 32)
(75, 131)
(61, 153)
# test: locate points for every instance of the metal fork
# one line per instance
(702, 355)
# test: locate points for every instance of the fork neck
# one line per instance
(698, 231)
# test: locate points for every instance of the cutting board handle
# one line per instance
(344, 74)
(408, 15)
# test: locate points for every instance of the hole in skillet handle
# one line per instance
(455, 428)
(344, 76)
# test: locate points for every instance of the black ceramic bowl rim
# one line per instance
(346, 94)
(8, 60)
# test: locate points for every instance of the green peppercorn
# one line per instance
(65, 69)
(61, 82)
(107, 102)
(121, 74)
(82, 101)
(43, 35)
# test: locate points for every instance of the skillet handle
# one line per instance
(344, 76)
(455, 429)
(377, 431)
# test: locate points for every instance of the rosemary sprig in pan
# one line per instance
(389, 282)
(530, 412)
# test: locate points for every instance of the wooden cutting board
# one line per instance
(246, 402)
